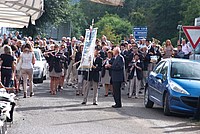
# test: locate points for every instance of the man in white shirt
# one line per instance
(186, 49)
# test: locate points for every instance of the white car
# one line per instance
(197, 53)
(40, 67)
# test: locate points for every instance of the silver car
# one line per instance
(40, 67)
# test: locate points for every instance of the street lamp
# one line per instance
(179, 27)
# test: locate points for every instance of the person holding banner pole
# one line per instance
(117, 76)
(92, 78)
(71, 72)
(78, 57)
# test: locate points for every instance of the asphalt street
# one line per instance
(64, 114)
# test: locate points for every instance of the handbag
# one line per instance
(19, 64)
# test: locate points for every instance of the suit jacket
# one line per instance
(104, 69)
(55, 62)
(103, 54)
(139, 74)
(146, 60)
(157, 53)
(125, 54)
(94, 73)
(117, 69)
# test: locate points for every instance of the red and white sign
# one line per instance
(193, 34)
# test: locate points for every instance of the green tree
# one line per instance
(119, 26)
(166, 16)
(110, 34)
(191, 10)
(137, 18)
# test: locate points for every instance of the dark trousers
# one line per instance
(117, 93)
(6, 75)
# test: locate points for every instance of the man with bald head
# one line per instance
(117, 76)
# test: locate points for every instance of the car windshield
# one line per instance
(185, 70)
(37, 55)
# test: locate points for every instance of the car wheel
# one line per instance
(166, 105)
(41, 79)
(45, 77)
(147, 102)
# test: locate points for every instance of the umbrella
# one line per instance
(110, 2)
(17, 13)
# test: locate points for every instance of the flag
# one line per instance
(110, 2)
(88, 49)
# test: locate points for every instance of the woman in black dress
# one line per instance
(7, 66)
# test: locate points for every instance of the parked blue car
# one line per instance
(174, 84)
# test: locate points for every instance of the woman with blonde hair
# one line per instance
(168, 49)
(28, 60)
(7, 66)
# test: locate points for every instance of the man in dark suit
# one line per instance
(93, 79)
(117, 76)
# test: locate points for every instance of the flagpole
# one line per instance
(90, 60)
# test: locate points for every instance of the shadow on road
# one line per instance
(181, 127)
(90, 121)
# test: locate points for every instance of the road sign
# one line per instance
(140, 33)
(197, 21)
(193, 34)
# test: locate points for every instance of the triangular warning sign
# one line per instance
(193, 34)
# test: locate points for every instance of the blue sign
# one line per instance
(140, 33)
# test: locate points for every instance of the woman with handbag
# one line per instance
(28, 60)
(7, 66)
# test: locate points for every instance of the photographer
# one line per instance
(135, 76)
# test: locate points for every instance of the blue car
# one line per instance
(174, 84)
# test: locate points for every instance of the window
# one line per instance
(37, 55)
(158, 67)
(164, 71)
(185, 70)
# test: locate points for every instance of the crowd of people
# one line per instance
(115, 67)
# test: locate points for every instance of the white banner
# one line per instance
(110, 2)
(88, 49)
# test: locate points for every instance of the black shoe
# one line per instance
(115, 106)
(83, 103)
(106, 95)
(94, 104)
(25, 95)
(31, 94)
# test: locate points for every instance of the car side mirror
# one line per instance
(159, 76)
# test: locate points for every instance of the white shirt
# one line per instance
(135, 73)
(186, 49)
(27, 60)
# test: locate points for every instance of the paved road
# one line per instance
(64, 114)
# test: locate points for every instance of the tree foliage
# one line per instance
(191, 11)
(161, 16)
(119, 26)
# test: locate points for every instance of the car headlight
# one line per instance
(175, 87)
